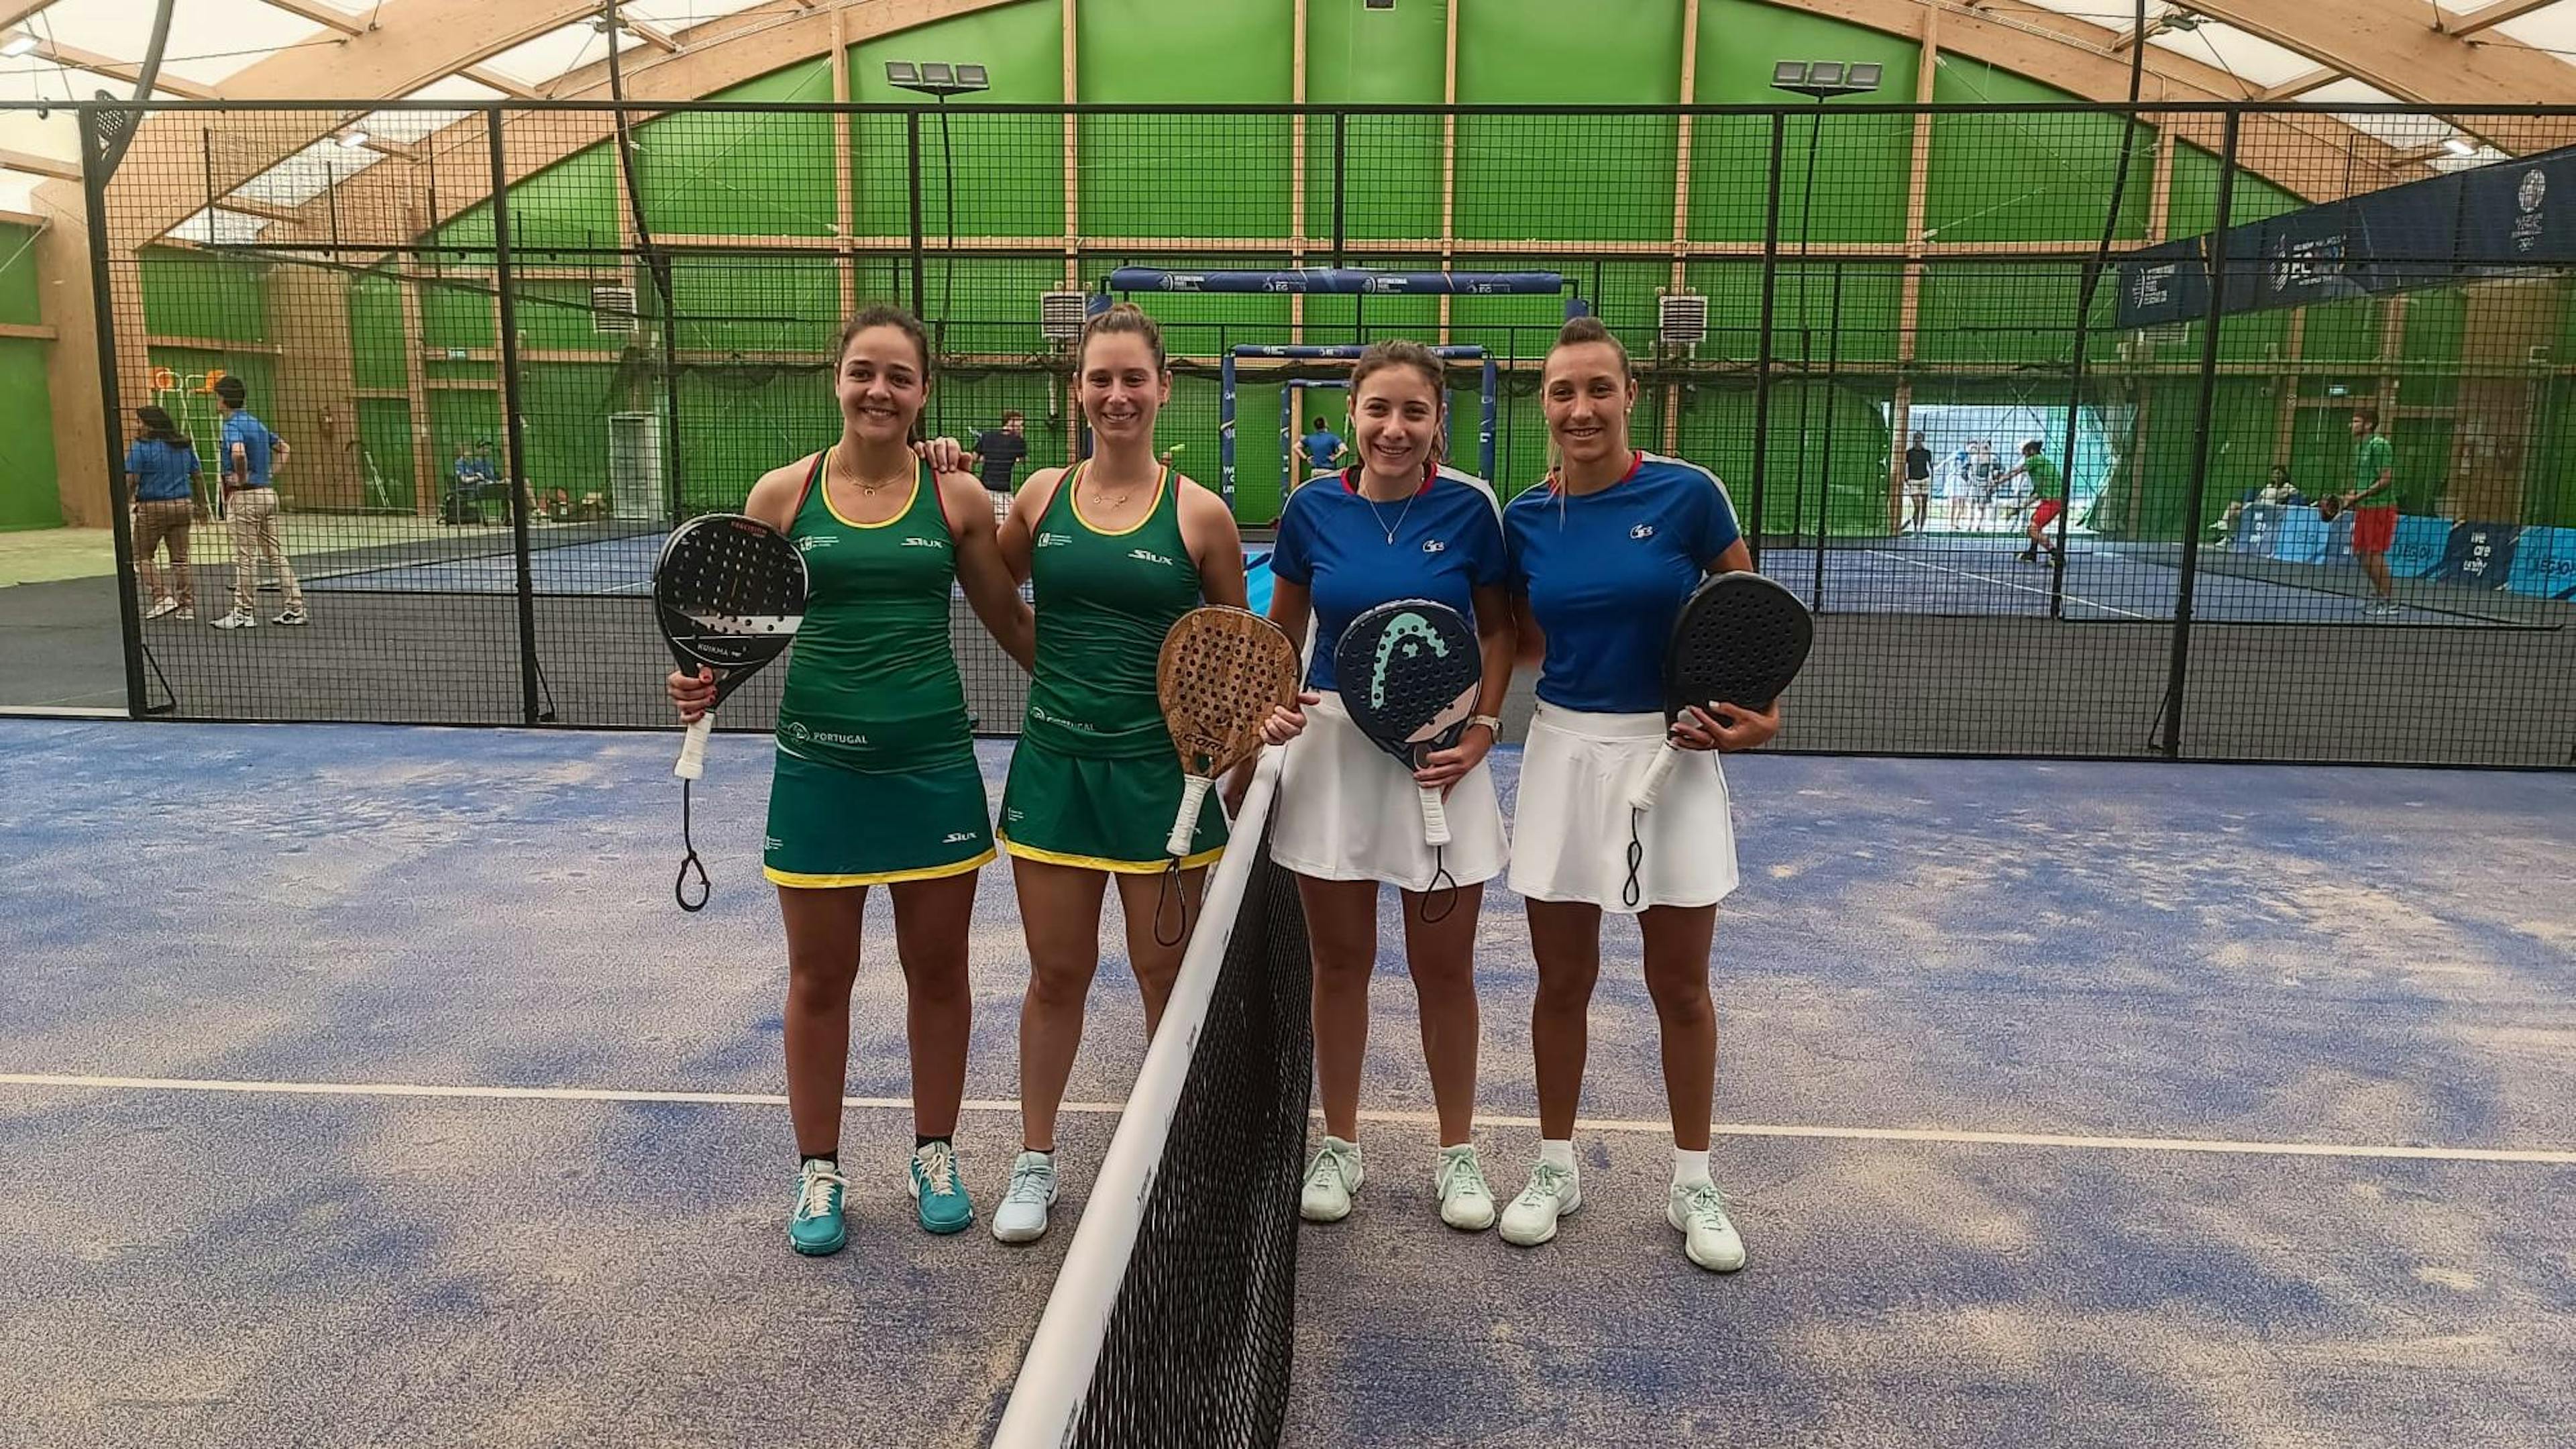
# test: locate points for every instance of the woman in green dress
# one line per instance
(876, 778)
(1117, 548)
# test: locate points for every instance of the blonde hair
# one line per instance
(1124, 317)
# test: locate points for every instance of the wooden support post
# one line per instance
(66, 302)
(845, 193)
(2285, 414)
(1681, 205)
(1909, 299)
(1448, 158)
(1071, 407)
(424, 453)
(1297, 174)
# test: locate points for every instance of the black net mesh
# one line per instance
(1196, 1354)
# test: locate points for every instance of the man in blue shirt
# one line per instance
(1322, 446)
(247, 458)
(161, 475)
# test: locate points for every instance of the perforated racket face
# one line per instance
(729, 592)
(1408, 672)
(1740, 639)
(1222, 671)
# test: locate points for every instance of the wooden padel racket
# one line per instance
(729, 594)
(1409, 673)
(1740, 639)
(2329, 506)
(1221, 673)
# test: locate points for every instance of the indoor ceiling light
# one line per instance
(352, 139)
(2459, 146)
(17, 45)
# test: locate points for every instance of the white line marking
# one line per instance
(2543, 1156)
(2009, 584)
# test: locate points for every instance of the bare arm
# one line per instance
(1498, 640)
(990, 590)
(1529, 644)
(1019, 533)
(1215, 545)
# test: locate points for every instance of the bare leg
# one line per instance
(1677, 943)
(1341, 934)
(1565, 940)
(1155, 964)
(822, 961)
(1442, 954)
(2374, 566)
(931, 922)
(1060, 910)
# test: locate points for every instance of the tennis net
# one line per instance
(1171, 1321)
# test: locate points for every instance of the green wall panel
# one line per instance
(759, 175)
(1182, 175)
(28, 496)
(377, 354)
(190, 294)
(1861, 161)
(2020, 177)
(384, 431)
(1009, 169)
(1607, 177)
(18, 298)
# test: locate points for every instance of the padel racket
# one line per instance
(1740, 639)
(1221, 673)
(2329, 506)
(729, 593)
(1409, 672)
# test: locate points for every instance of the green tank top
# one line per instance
(872, 684)
(1104, 602)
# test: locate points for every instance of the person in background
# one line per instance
(2048, 498)
(2374, 508)
(249, 455)
(997, 456)
(1322, 447)
(161, 475)
(1918, 485)
(2277, 492)
(1986, 478)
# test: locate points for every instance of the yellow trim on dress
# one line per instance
(1162, 480)
(823, 485)
(1094, 862)
(796, 881)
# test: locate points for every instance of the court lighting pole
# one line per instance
(941, 79)
(1820, 80)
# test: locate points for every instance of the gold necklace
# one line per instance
(870, 490)
(1102, 498)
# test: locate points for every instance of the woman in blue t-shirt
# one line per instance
(161, 476)
(1602, 558)
(1395, 525)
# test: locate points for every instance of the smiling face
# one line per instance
(1587, 394)
(1395, 420)
(1121, 386)
(881, 385)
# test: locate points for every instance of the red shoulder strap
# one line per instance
(813, 476)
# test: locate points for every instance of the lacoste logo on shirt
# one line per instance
(1642, 530)
(1433, 545)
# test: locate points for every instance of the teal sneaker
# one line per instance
(817, 1230)
(940, 1196)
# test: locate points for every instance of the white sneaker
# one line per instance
(1022, 1217)
(238, 619)
(1708, 1235)
(166, 606)
(292, 617)
(1330, 1181)
(1465, 1202)
(1552, 1193)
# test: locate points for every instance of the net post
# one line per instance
(96, 165)
(513, 443)
(2179, 667)
(1762, 366)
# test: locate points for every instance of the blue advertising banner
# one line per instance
(2521, 213)
(2420, 547)
(2479, 555)
(2544, 564)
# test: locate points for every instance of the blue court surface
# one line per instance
(362, 1085)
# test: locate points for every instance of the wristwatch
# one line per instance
(1492, 723)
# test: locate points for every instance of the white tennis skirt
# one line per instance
(1572, 819)
(1349, 811)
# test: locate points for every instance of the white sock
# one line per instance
(1690, 1169)
(1559, 1155)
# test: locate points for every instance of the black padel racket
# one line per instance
(729, 593)
(1740, 639)
(1409, 672)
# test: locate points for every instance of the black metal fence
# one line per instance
(510, 346)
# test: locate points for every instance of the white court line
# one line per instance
(2550, 1157)
(2009, 584)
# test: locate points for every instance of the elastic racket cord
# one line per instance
(1167, 893)
(680, 883)
(1632, 892)
(1446, 894)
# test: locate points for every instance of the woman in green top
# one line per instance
(876, 778)
(1117, 548)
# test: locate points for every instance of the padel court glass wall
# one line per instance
(512, 345)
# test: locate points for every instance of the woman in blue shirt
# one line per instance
(1602, 558)
(161, 476)
(1396, 525)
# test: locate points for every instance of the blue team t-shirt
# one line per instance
(255, 440)
(163, 471)
(1448, 542)
(1320, 446)
(1607, 573)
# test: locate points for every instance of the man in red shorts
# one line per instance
(2374, 508)
(2047, 496)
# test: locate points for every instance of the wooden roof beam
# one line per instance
(2454, 24)
(114, 69)
(322, 15)
(2299, 85)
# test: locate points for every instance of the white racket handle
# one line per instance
(1435, 817)
(693, 747)
(1185, 826)
(1653, 785)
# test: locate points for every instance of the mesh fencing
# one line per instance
(509, 352)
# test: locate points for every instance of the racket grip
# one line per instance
(1435, 817)
(693, 748)
(1653, 784)
(1185, 826)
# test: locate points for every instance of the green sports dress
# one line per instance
(876, 779)
(1095, 781)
